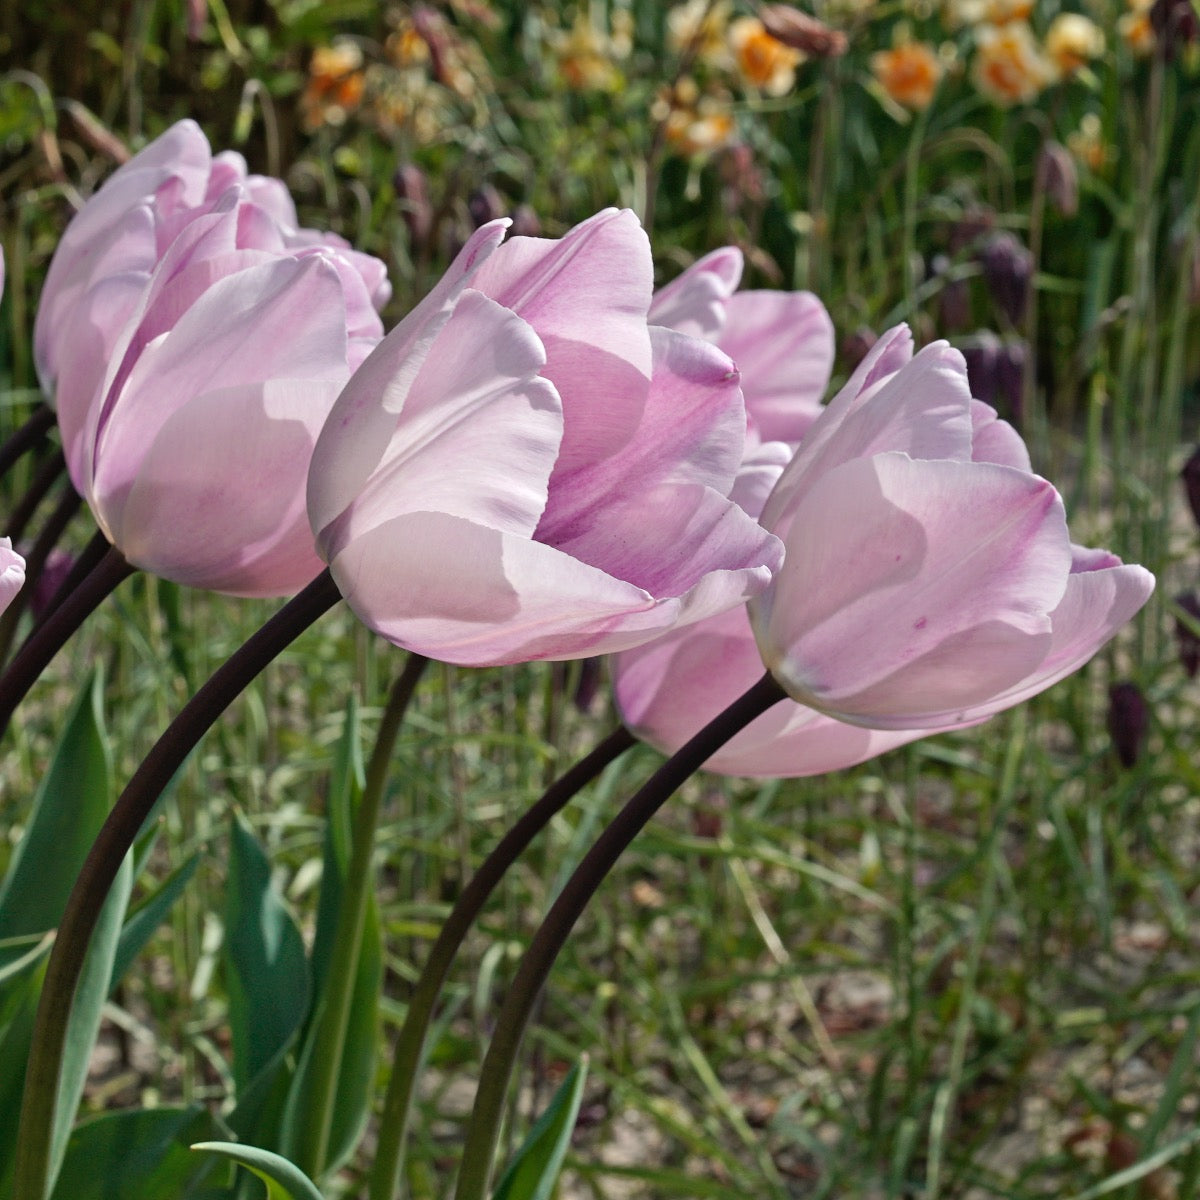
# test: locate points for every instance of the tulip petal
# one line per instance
(218, 499)
(923, 411)
(782, 343)
(477, 434)
(694, 303)
(914, 589)
(363, 419)
(586, 294)
(692, 430)
(996, 441)
(12, 573)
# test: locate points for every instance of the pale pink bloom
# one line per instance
(114, 244)
(929, 580)
(524, 469)
(12, 573)
(193, 453)
(781, 342)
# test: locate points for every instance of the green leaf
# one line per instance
(534, 1169)
(136, 1155)
(149, 915)
(284, 1180)
(267, 972)
(67, 812)
(356, 1081)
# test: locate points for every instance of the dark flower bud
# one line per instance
(485, 204)
(1058, 177)
(856, 345)
(1191, 482)
(1007, 271)
(954, 300)
(412, 193)
(970, 227)
(1175, 24)
(53, 575)
(525, 222)
(1186, 635)
(1010, 381)
(801, 31)
(1128, 721)
(982, 352)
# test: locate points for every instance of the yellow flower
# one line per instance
(585, 58)
(1135, 28)
(1072, 41)
(763, 61)
(698, 27)
(1009, 67)
(1087, 143)
(909, 73)
(988, 12)
(693, 124)
(335, 84)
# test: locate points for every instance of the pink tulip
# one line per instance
(781, 342)
(193, 452)
(115, 243)
(929, 578)
(12, 573)
(524, 469)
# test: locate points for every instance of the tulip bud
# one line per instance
(412, 191)
(53, 575)
(1185, 635)
(1008, 271)
(525, 222)
(1058, 177)
(802, 32)
(1010, 381)
(485, 204)
(1128, 721)
(982, 352)
(1175, 24)
(954, 300)
(1191, 482)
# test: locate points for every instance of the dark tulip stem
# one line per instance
(28, 436)
(116, 836)
(496, 1073)
(43, 480)
(48, 638)
(87, 561)
(410, 1045)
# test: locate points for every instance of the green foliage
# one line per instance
(284, 1180)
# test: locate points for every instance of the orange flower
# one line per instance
(1072, 41)
(585, 58)
(335, 84)
(698, 27)
(1009, 67)
(1135, 28)
(909, 73)
(694, 125)
(763, 61)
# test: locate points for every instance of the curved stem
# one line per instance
(112, 843)
(86, 562)
(410, 1045)
(42, 482)
(27, 436)
(496, 1072)
(312, 1140)
(48, 638)
(35, 562)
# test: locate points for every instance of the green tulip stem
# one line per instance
(35, 563)
(116, 836)
(410, 1045)
(44, 643)
(26, 437)
(312, 1141)
(498, 1065)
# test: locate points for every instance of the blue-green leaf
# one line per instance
(149, 915)
(137, 1155)
(284, 1180)
(264, 955)
(534, 1169)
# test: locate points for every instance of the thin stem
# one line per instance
(86, 562)
(35, 563)
(410, 1045)
(116, 836)
(312, 1141)
(497, 1070)
(27, 436)
(48, 638)
(39, 487)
